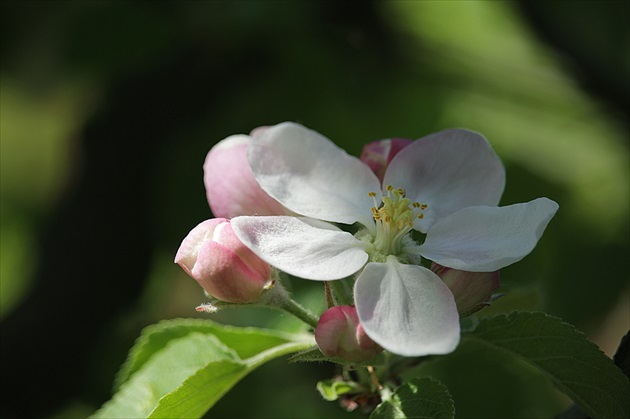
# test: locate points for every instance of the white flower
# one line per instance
(446, 185)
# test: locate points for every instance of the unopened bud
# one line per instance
(214, 256)
(340, 334)
(472, 290)
(378, 154)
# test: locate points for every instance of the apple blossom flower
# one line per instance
(472, 290)
(215, 257)
(230, 185)
(340, 334)
(378, 154)
(445, 186)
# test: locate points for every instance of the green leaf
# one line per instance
(180, 368)
(202, 390)
(419, 398)
(576, 366)
(164, 372)
(245, 342)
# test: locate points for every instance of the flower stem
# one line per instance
(293, 307)
(278, 297)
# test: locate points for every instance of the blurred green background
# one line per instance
(108, 109)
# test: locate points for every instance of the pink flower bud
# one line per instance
(214, 256)
(472, 290)
(339, 334)
(378, 154)
(231, 188)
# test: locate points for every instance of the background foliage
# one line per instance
(108, 110)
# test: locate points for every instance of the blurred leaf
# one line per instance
(418, 398)
(576, 365)
(180, 368)
(17, 246)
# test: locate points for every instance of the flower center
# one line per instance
(394, 218)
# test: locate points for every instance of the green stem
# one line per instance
(278, 297)
(293, 307)
(287, 348)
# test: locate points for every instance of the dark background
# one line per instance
(108, 110)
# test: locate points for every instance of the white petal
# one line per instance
(448, 171)
(305, 248)
(486, 239)
(407, 309)
(311, 176)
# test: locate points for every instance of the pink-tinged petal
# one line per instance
(231, 188)
(213, 256)
(448, 171)
(311, 176)
(224, 234)
(188, 251)
(339, 334)
(486, 239)
(302, 247)
(407, 309)
(378, 154)
(472, 290)
(224, 275)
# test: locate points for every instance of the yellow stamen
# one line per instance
(394, 217)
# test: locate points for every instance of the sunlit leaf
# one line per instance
(203, 389)
(164, 372)
(245, 342)
(181, 368)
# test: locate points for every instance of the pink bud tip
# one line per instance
(378, 154)
(472, 290)
(340, 334)
(214, 256)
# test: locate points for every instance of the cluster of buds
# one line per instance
(226, 269)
